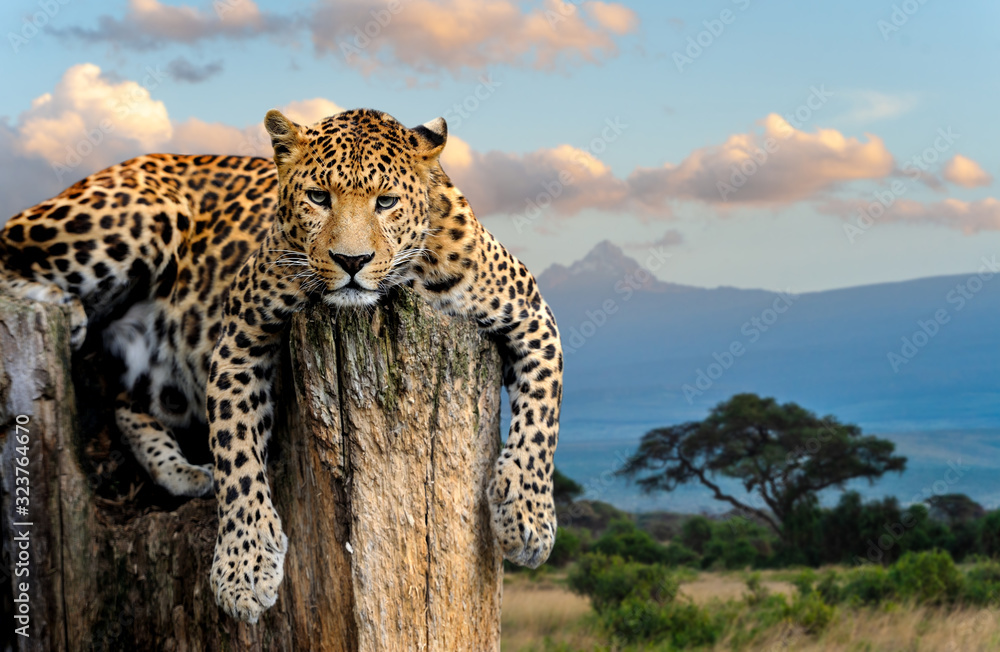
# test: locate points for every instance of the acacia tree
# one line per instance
(954, 508)
(783, 454)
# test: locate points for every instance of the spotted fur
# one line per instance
(199, 262)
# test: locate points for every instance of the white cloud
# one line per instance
(431, 35)
(779, 166)
(963, 171)
(120, 119)
(871, 106)
(969, 217)
(424, 36)
(670, 238)
(89, 121)
(86, 111)
(307, 112)
(194, 136)
(564, 177)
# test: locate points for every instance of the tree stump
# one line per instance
(387, 435)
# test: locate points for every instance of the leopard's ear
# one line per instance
(431, 138)
(285, 137)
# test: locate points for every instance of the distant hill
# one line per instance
(650, 353)
(633, 345)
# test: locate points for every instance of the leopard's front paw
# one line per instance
(77, 323)
(524, 517)
(182, 478)
(249, 564)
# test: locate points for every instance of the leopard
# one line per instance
(188, 269)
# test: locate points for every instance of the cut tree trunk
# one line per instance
(388, 430)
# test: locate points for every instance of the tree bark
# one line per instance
(379, 465)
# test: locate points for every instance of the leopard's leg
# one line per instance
(489, 284)
(156, 449)
(250, 551)
(48, 292)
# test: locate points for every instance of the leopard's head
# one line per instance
(353, 201)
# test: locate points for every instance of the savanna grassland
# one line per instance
(542, 614)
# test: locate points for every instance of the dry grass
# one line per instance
(536, 610)
(719, 586)
(917, 629)
(533, 611)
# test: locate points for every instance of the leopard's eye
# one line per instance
(385, 202)
(319, 197)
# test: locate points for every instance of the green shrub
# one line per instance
(739, 555)
(634, 620)
(765, 614)
(730, 555)
(635, 602)
(758, 592)
(678, 554)
(829, 587)
(625, 540)
(803, 582)
(868, 585)
(696, 533)
(927, 577)
(811, 613)
(982, 584)
(691, 626)
(608, 581)
(565, 549)
(683, 624)
(989, 534)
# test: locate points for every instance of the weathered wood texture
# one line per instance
(379, 465)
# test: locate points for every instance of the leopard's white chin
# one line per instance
(350, 297)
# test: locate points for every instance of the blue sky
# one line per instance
(199, 75)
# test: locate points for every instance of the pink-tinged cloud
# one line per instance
(149, 24)
(969, 217)
(670, 238)
(427, 36)
(564, 180)
(780, 165)
(90, 116)
(88, 122)
(193, 136)
(963, 171)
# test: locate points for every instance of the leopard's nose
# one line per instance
(352, 264)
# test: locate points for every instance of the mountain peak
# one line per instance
(605, 262)
(605, 257)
